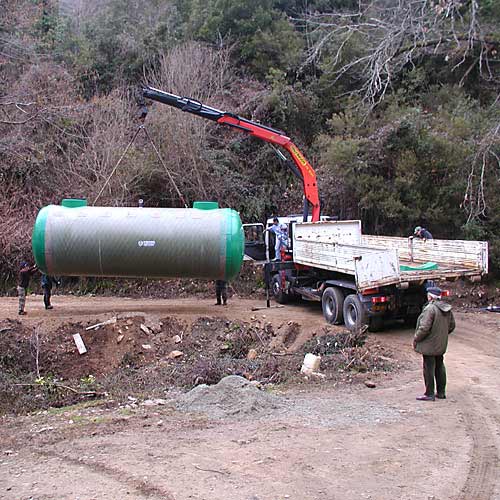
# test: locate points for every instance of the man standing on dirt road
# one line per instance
(431, 340)
(47, 282)
(25, 273)
(221, 292)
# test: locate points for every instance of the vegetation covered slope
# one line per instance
(396, 104)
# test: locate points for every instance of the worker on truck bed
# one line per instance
(25, 273)
(276, 230)
(422, 233)
(431, 340)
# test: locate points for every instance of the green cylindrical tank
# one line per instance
(78, 240)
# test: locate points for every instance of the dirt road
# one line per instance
(323, 443)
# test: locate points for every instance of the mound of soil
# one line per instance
(130, 355)
(127, 343)
(16, 348)
(233, 395)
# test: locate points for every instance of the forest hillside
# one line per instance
(394, 102)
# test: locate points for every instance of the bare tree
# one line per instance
(487, 155)
(387, 36)
(200, 72)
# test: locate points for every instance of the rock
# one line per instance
(370, 384)
(146, 346)
(252, 354)
(119, 339)
(175, 354)
(176, 339)
(145, 329)
(154, 402)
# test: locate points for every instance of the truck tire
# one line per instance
(279, 295)
(332, 302)
(355, 315)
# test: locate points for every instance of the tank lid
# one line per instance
(38, 239)
(73, 203)
(205, 205)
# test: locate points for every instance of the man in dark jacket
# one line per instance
(431, 340)
(25, 273)
(47, 282)
(422, 233)
(221, 292)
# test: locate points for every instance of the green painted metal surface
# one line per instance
(428, 266)
(205, 205)
(73, 203)
(138, 242)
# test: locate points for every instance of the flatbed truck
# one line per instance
(364, 279)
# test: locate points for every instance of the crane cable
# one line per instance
(141, 127)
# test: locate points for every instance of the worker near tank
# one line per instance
(25, 273)
(276, 230)
(422, 233)
(221, 292)
(47, 282)
(434, 325)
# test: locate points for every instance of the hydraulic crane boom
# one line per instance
(303, 168)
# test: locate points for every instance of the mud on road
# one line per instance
(314, 440)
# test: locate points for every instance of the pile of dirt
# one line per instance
(329, 343)
(346, 351)
(233, 395)
(466, 296)
(125, 342)
(17, 353)
(131, 356)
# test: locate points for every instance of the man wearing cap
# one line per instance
(434, 325)
(422, 233)
(25, 273)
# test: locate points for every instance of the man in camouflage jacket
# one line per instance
(431, 340)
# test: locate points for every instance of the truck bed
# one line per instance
(339, 246)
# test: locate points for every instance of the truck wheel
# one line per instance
(332, 302)
(279, 295)
(355, 315)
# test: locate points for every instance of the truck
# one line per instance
(358, 279)
(366, 279)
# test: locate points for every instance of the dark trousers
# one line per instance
(221, 291)
(47, 292)
(434, 369)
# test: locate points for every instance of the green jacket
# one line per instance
(433, 327)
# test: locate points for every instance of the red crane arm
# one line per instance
(274, 137)
(254, 129)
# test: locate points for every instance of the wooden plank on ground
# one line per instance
(79, 343)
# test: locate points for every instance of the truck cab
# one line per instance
(260, 244)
